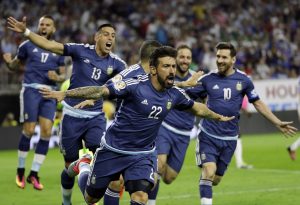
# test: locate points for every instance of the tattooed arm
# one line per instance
(89, 92)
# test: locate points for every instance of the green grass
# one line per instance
(275, 180)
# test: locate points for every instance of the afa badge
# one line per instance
(119, 85)
(239, 86)
(116, 78)
(109, 70)
(169, 105)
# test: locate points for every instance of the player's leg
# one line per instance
(139, 178)
(293, 147)
(240, 163)
(206, 158)
(46, 113)
(175, 159)
(29, 117)
(72, 130)
(113, 192)
(163, 148)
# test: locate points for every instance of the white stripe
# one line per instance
(22, 104)
(175, 130)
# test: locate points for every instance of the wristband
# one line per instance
(26, 32)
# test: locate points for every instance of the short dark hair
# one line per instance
(49, 17)
(105, 25)
(161, 52)
(227, 45)
(147, 48)
(183, 46)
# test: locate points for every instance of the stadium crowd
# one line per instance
(266, 32)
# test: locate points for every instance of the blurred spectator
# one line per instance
(9, 120)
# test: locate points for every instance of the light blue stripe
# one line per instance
(38, 86)
(103, 142)
(175, 130)
(71, 111)
(218, 137)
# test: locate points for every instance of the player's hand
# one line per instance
(58, 95)
(86, 103)
(192, 81)
(287, 129)
(225, 118)
(52, 75)
(7, 57)
(17, 26)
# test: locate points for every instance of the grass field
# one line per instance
(275, 179)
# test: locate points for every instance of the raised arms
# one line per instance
(20, 27)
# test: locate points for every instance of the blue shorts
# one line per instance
(210, 149)
(33, 105)
(107, 166)
(174, 145)
(74, 130)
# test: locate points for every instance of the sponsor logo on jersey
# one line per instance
(86, 60)
(35, 50)
(216, 87)
(145, 102)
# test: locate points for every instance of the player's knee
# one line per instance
(168, 179)
(139, 196)
(216, 180)
(28, 131)
(116, 185)
(92, 195)
(133, 186)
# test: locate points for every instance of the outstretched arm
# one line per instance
(201, 110)
(20, 27)
(12, 64)
(191, 82)
(284, 127)
(89, 92)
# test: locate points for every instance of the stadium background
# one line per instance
(265, 32)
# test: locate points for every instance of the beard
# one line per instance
(165, 82)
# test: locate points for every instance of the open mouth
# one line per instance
(108, 45)
(170, 79)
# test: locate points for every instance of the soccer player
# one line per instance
(174, 134)
(41, 70)
(225, 90)
(127, 146)
(294, 146)
(93, 65)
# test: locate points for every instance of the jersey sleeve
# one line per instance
(198, 91)
(122, 88)
(183, 101)
(22, 52)
(71, 49)
(250, 91)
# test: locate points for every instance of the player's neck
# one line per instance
(181, 74)
(230, 72)
(145, 66)
(157, 86)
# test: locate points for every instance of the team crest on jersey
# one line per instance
(239, 86)
(169, 105)
(116, 78)
(119, 85)
(109, 70)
